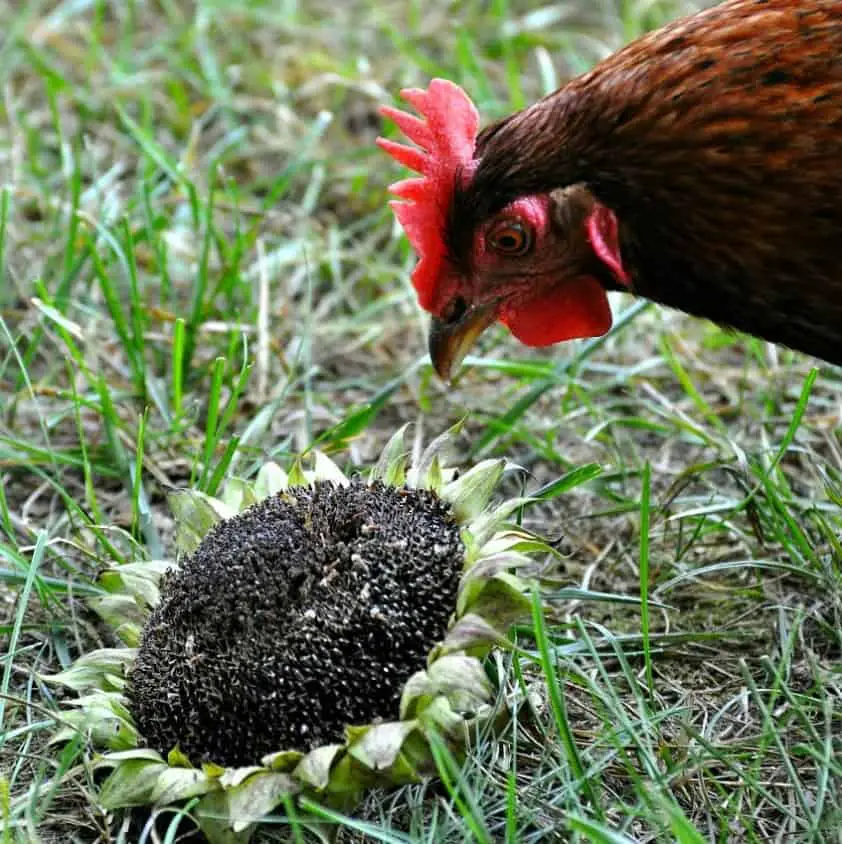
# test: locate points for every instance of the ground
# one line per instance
(200, 272)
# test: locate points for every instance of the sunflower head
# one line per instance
(312, 635)
(306, 612)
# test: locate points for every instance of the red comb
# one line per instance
(446, 133)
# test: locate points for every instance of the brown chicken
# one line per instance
(700, 166)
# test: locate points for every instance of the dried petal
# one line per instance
(437, 448)
(391, 466)
(271, 479)
(326, 470)
(131, 783)
(256, 797)
(95, 670)
(314, 768)
(379, 746)
(175, 784)
(503, 600)
(472, 632)
(195, 514)
(238, 495)
(469, 495)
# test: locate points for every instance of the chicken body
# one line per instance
(716, 142)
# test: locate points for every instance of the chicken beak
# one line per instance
(449, 342)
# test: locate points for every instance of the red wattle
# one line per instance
(574, 309)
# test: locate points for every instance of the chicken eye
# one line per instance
(510, 237)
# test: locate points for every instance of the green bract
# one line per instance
(314, 633)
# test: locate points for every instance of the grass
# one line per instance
(199, 272)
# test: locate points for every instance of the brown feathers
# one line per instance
(717, 142)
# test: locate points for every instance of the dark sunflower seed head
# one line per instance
(303, 614)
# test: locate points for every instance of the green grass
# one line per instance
(199, 271)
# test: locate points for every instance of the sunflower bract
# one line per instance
(303, 614)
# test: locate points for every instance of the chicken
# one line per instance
(700, 167)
